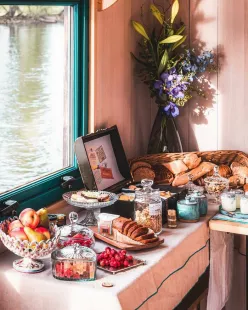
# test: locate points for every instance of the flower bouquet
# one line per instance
(172, 72)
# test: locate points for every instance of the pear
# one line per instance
(44, 220)
(34, 235)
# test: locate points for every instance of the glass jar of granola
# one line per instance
(148, 207)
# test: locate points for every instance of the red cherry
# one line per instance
(126, 263)
(113, 252)
(107, 249)
(117, 257)
(124, 252)
(105, 255)
(102, 263)
(130, 258)
(106, 262)
(122, 257)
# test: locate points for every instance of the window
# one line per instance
(43, 97)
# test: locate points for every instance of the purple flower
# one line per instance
(159, 85)
(171, 110)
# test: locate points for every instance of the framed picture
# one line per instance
(102, 161)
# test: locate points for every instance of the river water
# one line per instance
(31, 102)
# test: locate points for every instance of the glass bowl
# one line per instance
(215, 184)
(30, 251)
(75, 234)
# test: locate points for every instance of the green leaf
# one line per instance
(140, 29)
(163, 62)
(181, 29)
(179, 43)
(138, 60)
(156, 13)
(171, 39)
(174, 10)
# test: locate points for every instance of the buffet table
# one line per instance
(171, 271)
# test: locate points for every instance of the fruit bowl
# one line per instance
(30, 251)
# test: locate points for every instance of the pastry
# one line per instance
(162, 175)
(144, 237)
(124, 197)
(196, 173)
(192, 160)
(143, 173)
(139, 164)
(103, 198)
(176, 166)
(139, 231)
(225, 171)
(164, 194)
(236, 180)
(240, 170)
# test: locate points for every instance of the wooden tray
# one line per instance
(124, 246)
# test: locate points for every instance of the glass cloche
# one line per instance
(75, 233)
(216, 184)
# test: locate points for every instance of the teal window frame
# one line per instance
(48, 190)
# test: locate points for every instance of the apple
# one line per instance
(29, 218)
(18, 233)
(14, 224)
(43, 231)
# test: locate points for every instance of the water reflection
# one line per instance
(31, 102)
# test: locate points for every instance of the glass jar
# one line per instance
(228, 201)
(216, 184)
(244, 204)
(238, 194)
(74, 263)
(188, 210)
(202, 201)
(148, 207)
(75, 233)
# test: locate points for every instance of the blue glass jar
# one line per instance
(202, 201)
(188, 210)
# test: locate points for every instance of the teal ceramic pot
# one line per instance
(202, 201)
(188, 210)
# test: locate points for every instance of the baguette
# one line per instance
(196, 173)
(176, 166)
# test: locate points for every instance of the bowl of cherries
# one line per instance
(75, 233)
(115, 261)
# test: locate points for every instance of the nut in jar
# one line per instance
(148, 207)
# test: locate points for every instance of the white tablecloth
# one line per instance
(171, 271)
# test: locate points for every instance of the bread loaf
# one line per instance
(240, 170)
(176, 166)
(162, 175)
(196, 173)
(139, 232)
(143, 173)
(128, 226)
(144, 237)
(139, 164)
(192, 160)
(236, 180)
(132, 229)
(145, 241)
(120, 223)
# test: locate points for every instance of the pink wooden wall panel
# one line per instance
(123, 100)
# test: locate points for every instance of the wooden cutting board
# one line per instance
(124, 246)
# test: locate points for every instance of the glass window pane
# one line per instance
(35, 93)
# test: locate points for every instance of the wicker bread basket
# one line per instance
(216, 157)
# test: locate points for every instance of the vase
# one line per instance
(164, 136)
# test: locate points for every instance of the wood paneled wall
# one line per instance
(218, 122)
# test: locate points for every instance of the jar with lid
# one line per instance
(216, 184)
(238, 194)
(148, 207)
(188, 210)
(202, 201)
(228, 201)
(75, 233)
(244, 204)
(74, 263)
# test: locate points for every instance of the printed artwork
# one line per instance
(103, 162)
